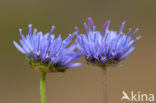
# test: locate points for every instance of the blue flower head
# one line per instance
(47, 53)
(106, 47)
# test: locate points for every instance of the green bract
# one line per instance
(41, 66)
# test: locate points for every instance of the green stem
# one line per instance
(104, 82)
(42, 86)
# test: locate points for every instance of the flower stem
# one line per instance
(104, 83)
(42, 86)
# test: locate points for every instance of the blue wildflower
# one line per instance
(107, 49)
(47, 53)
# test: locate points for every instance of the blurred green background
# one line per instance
(19, 84)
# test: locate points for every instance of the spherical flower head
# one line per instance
(46, 53)
(107, 47)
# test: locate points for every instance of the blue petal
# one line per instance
(123, 24)
(74, 65)
(128, 52)
(25, 48)
(72, 58)
(19, 47)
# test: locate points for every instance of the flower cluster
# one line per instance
(102, 48)
(107, 47)
(44, 52)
